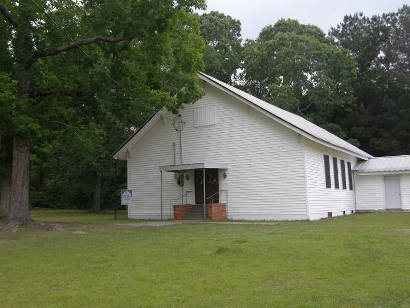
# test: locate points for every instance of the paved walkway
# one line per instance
(268, 223)
(179, 222)
(151, 224)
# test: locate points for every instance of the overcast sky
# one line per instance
(255, 14)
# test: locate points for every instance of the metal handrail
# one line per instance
(227, 195)
(181, 197)
(190, 191)
(218, 192)
(212, 196)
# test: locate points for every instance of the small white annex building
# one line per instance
(259, 162)
(383, 183)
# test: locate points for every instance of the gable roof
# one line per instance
(297, 123)
(386, 164)
(290, 120)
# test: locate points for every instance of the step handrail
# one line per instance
(182, 197)
(217, 193)
(212, 197)
(176, 199)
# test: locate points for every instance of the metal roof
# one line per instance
(291, 118)
(387, 164)
(185, 167)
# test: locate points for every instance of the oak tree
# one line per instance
(56, 53)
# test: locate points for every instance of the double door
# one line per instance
(211, 186)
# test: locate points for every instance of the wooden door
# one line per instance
(211, 186)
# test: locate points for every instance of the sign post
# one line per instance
(126, 198)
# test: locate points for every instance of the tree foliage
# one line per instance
(222, 53)
(90, 69)
(380, 118)
(298, 68)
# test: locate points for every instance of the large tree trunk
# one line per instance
(4, 196)
(19, 189)
(97, 194)
(19, 204)
(6, 147)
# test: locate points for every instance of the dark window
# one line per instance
(336, 172)
(327, 171)
(343, 169)
(349, 174)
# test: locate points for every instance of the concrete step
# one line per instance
(192, 217)
(196, 213)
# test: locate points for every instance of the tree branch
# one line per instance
(7, 15)
(69, 126)
(49, 53)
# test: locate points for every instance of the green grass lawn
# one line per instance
(355, 261)
(79, 216)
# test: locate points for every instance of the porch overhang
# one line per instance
(186, 167)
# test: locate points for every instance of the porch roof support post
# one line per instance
(203, 181)
(161, 194)
(182, 186)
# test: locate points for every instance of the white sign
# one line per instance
(126, 196)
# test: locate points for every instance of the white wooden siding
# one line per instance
(405, 191)
(370, 192)
(266, 175)
(322, 200)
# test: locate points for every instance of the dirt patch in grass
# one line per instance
(79, 232)
(40, 225)
(407, 231)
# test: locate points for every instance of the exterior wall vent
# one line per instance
(204, 116)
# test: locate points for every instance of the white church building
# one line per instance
(233, 156)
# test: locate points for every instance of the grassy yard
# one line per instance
(356, 261)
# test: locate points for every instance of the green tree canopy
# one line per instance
(222, 53)
(90, 64)
(298, 68)
(381, 113)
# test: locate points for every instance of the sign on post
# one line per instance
(126, 196)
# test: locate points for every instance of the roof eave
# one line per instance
(382, 172)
